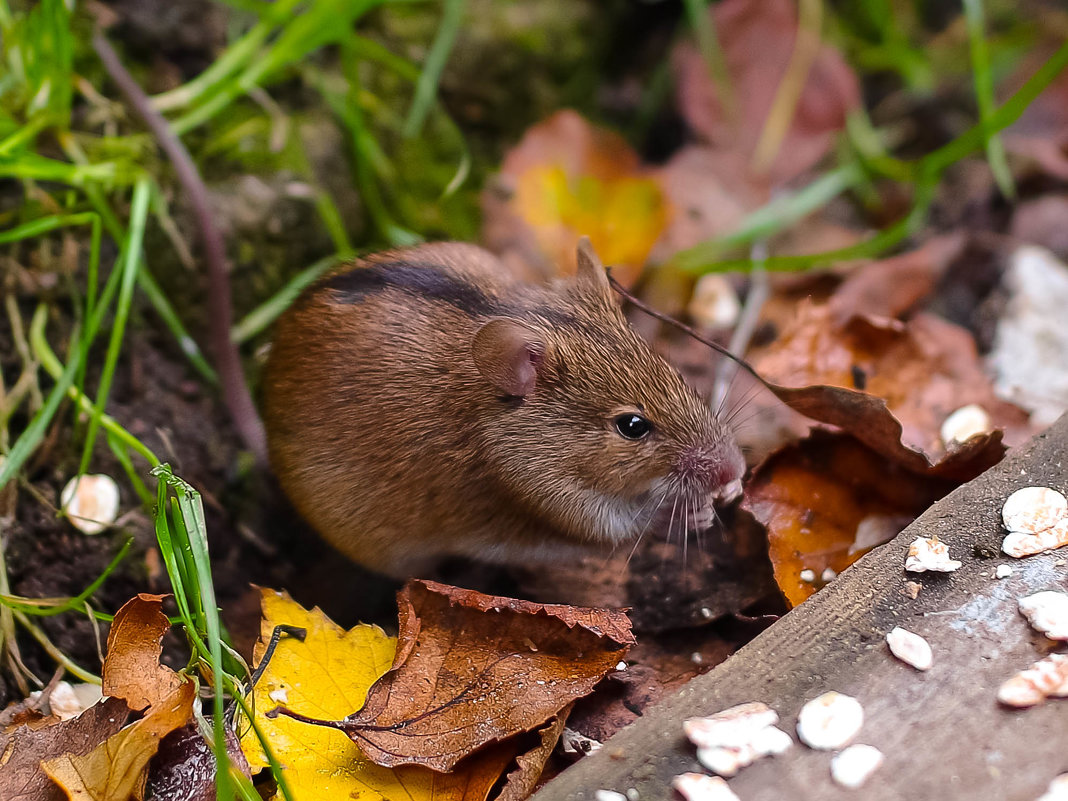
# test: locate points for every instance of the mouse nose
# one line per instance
(712, 467)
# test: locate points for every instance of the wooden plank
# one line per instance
(943, 733)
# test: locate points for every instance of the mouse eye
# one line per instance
(632, 426)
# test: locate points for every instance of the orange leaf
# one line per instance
(826, 502)
(131, 668)
(567, 179)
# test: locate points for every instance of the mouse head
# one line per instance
(590, 427)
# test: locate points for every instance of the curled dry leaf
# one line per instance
(758, 38)
(472, 669)
(568, 179)
(184, 766)
(132, 670)
(24, 749)
(115, 769)
(1047, 612)
(890, 288)
(328, 674)
(891, 385)
(520, 783)
(829, 721)
(1045, 679)
(855, 487)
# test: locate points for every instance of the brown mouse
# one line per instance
(424, 403)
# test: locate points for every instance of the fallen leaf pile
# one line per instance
(95, 755)
(438, 712)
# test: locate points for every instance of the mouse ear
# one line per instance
(590, 271)
(508, 355)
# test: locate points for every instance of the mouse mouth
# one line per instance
(673, 509)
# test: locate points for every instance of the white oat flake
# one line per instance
(699, 787)
(965, 423)
(830, 721)
(1019, 543)
(1057, 790)
(1047, 612)
(734, 738)
(853, 766)
(910, 648)
(1047, 678)
(1032, 510)
(928, 554)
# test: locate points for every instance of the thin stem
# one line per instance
(228, 361)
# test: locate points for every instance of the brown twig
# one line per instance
(227, 359)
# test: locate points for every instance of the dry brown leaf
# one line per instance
(568, 179)
(520, 783)
(328, 673)
(184, 766)
(472, 669)
(23, 749)
(115, 769)
(813, 498)
(132, 670)
(892, 287)
(758, 38)
(890, 384)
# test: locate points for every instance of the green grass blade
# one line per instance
(28, 441)
(984, 94)
(426, 88)
(27, 605)
(768, 220)
(131, 254)
(266, 313)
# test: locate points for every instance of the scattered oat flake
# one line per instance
(928, 554)
(910, 648)
(1033, 509)
(1048, 612)
(280, 695)
(912, 589)
(829, 721)
(1020, 544)
(699, 787)
(91, 502)
(967, 422)
(734, 738)
(608, 795)
(1057, 790)
(1003, 571)
(1047, 678)
(853, 766)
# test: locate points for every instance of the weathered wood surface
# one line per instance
(943, 733)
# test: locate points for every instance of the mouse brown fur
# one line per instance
(424, 403)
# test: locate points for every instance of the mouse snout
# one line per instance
(717, 468)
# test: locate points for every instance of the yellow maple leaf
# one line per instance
(327, 676)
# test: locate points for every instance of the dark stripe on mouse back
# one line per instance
(416, 278)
